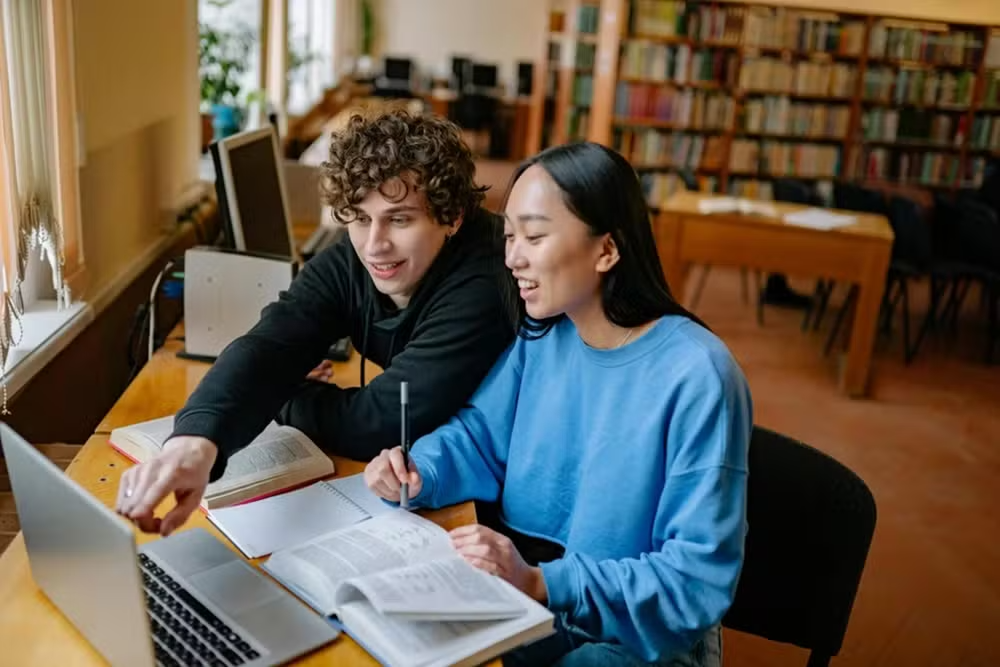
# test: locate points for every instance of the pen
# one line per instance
(404, 437)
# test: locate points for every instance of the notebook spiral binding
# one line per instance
(345, 498)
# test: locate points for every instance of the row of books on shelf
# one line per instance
(555, 48)
(551, 82)
(992, 56)
(588, 18)
(919, 87)
(693, 20)
(985, 133)
(696, 109)
(644, 60)
(803, 78)
(775, 158)
(807, 32)
(805, 122)
(914, 125)
(956, 47)
(658, 187)
(781, 116)
(586, 55)
(834, 80)
(804, 32)
(578, 124)
(654, 149)
(716, 66)
(921, 167)
(991, 91)
(583, 90)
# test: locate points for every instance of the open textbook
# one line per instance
(399, 588)
(278, 459)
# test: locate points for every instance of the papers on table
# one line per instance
(818, 218)
(814, 218)
(735, 205)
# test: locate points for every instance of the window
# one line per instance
(311, 28)
(40, 241)
(293, 59)
(237, 23)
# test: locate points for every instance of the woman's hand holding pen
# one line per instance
(387, 472)
(493, 552)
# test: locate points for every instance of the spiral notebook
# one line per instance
(287, 520)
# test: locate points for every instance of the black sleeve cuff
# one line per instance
(204, 426)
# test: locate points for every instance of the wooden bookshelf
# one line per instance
(984, 139)
(564, 76)
(740, 93)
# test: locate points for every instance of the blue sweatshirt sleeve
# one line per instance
(465, 459)
(661, 602)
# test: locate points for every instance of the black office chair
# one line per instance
(811, 522)
(973, 257)
(858, 198)
(477, 113)
(912, 258)
(849, 197)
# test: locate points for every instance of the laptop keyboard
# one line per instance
(185, 632)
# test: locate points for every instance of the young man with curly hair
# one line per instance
(413, 284)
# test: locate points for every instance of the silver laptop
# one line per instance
(186, 599)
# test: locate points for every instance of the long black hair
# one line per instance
(600, 188)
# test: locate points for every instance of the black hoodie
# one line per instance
(443, 343)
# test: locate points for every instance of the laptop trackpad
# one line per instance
(235, 587)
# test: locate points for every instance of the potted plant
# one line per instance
(222, 59)
(365, 64)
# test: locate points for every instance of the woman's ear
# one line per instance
(609, 255)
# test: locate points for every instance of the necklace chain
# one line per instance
(628, 334)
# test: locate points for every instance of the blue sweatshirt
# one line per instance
(633, 459)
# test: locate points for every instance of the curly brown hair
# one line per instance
(425, 152)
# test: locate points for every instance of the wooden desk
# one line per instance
(858, 254)
(32, 630)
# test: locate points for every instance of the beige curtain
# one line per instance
(27, 212)
(9, 324)
(36, 226)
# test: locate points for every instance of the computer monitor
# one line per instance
(251, 190)
(525, 78)
(484, 76)
(460, 69)
(398, 69)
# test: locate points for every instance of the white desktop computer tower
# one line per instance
(224, 294)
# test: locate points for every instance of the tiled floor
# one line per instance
(928, 445)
